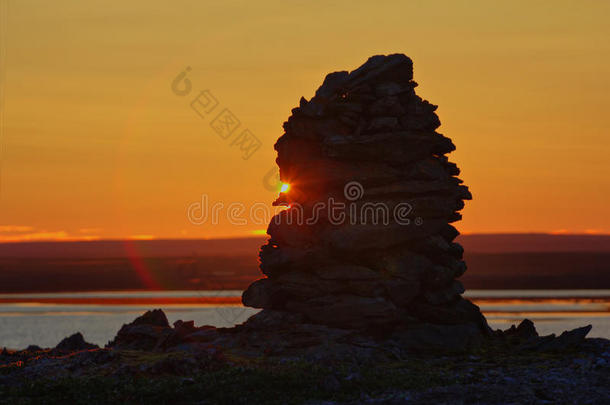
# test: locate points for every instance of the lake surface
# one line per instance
(46, 318)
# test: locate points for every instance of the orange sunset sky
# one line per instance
(96, 145)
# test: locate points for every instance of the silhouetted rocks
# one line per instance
(152, 332)
(143, 333)
(524, 337)
(419, 363)
(525, 330)
(368, 143)
(289, 334)
(156, 317)
(74, 343)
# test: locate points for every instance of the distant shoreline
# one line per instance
(497, 271)
(495, 261)
(116, 248)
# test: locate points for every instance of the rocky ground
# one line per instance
(151, 362)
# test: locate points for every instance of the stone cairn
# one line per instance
(366, 240)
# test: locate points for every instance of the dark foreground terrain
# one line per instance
(152, 362)
(130, 377)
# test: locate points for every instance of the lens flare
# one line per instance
(285, 187)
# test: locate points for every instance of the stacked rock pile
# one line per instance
(366, 239)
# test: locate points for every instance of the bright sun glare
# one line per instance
(285, 187)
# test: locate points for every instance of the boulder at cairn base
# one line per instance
(366, 240)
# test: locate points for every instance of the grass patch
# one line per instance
(292, 383)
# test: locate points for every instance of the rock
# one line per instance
(405, 265)
(463, 312)
(397, 147)
(332, 83)
(392, 88)
(75, 342)
(384, 124)
(202, 335)
(346, 311)
(567, 340)
(186, 337)
(525, 330)
(376, 236)
(366, 242)
(381, 68)
(269, 319)
(156, 317)
(525, 338)
(182, 325)
(401, 292)
(446, 294)
(258, 294)
(294, 281)
(346, 272)
(387, 106)
(440, 338)
(412, 187)
(144, 333)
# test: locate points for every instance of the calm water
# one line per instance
(44, 319)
